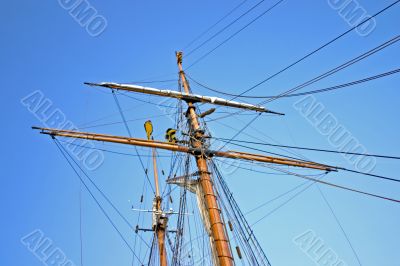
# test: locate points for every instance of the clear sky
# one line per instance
(44, 48)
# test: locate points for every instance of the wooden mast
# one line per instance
(218, 231)
(160, 219)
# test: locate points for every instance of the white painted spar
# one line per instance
(183, 96)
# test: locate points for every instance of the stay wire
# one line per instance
(130, 135)
(336, 167)
(311, 149)
(336, 87)
(369, 174)
(65, 153)
(214, 25)
(152, 81)
(337, 69)
(234, 34)
(334, 70)
(110, 151)
(273, 153)
(276, 198)
(240, 131)
(224, 28)
(80, 223)
(318, 49)
(99, 190)
(284, 203)
(129, 120)
(340, 225)
(337, 186)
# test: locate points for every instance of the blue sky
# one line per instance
(45, 49)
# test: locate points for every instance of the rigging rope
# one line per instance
(66, 155)
(215, 24)
(234, 34)
(340, 225)
(337, 186)
(336, 87)
(312, 149)
(224, 28)
(367, 54)
(130, 135)
(319, 48)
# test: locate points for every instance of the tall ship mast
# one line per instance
(228, 238)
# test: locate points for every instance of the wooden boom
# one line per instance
(179, 148)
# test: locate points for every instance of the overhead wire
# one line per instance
(214, 25)
(80, 224)
(337, 186)
(66, 155)
(336, 87)
(234, 34)
(129, 120)
(311, 149)
(336, 167)
(284, 203)
(334, 70)
(130, 135)
(224, 28)
(340, 225)
(276, 197)
(238, 132)
(319, 48)
(152, 81)
(345, 65)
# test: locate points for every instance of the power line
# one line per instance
(320, 48)
(224, 28)
(348, 84)
(312, 149)
(234, 34)
(215, 24)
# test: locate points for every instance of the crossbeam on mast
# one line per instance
(184, 149)
(183, 96)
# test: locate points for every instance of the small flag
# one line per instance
(148, 126)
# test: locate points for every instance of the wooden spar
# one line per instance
(178, 148)
(218, 232)
(188, 97)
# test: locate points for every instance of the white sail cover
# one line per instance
(183, 96)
